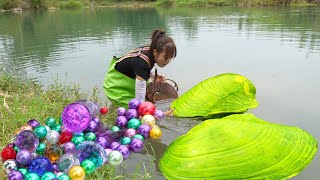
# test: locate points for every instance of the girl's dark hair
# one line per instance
(161, 42)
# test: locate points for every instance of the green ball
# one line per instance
(23, 171)
(64, 177)
(134, 123)
(88, 166)
(32, 176)
(16, 149)
(50, 122)
(115, 128)
(76, 139)
(40, 131)
(48, 176)
(138, 136)
(41, 147)
(90, 136)
(57, 127)
(125, 141)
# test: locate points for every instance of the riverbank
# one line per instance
(19, 5)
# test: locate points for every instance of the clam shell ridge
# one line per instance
(225, 93)
(239, 146)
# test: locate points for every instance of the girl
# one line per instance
(128, 75)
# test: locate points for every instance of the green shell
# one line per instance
(239, 146)
(223, 94)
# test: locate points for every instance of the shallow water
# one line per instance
(278, 49)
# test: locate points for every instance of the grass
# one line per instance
(22, 100)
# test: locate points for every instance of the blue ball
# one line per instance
(40, 165)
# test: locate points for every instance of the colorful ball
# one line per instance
(50, 122)
(8, 153)
(121, 121)
(23, 171)
(125, 141)
(24, 157)
(115, 128)
(41, 147)
(121, 111)
(77, 173)
(93, 126)
(130, 132)
(108, 150)
(47, 128)
(76, 117)
(33, 123)
(57, 127)
(104, 111)
(90, 136)
(23, 128)
(88, 166)
(92, 151)
(148, 119)
(155, 133)
(147, 108)
(77, 139)
(114, 145)
(139, 136)
(64, 177)
(103, 142)
(65, 136)
(132, 113)
(115, 158)
(40, 165)
(27, 140)
(15, 175)
(134, 103)
(9, 165)
(66, 161)
(144, 129)
(136, 145)
(53, 137)
(134, 123)
(96, 119)
(124, 151)
(93, 108)
(48, 176)
(32, 176)
(53, 152)
(69, 147)
(159, 115)
(40, 131)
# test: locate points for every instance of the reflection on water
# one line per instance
(278, 49)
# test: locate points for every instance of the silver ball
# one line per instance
(10, 165)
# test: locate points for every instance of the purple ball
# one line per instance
(121, 111)
(121, 121)
(134, 103)
(136, 145)
(15, 175)
(103, 142)
(144, 130)
(69, 147)
(76, 117)
(55, 167)
(93, 126)
(96, 119)
(33, 123)
(132, 113)
(24, 157)
(114, 145)
(124, 151)
(27, 140)
(159, 115)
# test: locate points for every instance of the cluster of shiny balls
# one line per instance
(78, 143)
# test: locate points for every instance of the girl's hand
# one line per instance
(160, 78)
(169, 113)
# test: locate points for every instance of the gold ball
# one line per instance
(77, 173)
(148, 119)
(155, 133)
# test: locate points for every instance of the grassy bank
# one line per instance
(75, 4)
(22, 100)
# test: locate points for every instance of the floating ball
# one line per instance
(50, 122)
(24, 157)
(121, 111)
(148, 119)
(32, 176)
(33, 123)
(40, 165)
(9, 165)
(48, 176)
(93, 108)
(27, 140)
(115, 158)
(104, 111)
(147, 108)
(134, 123)
(121, 121)
(41, 131)
(53, 137)
(77, 173)
(132, 113)
(124, 151)
(92, 151)
(69, 147)
(88, 166)
(144, 129)
(155, 133)
(136, 145)
(53, 152)
(15, 175)
(76, 117)
(130, 132)
(134, 103)
(8, 153)
(66, 161)
(159, 115)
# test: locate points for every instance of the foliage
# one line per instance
(72, 4)
(165, 3)
(9, 4)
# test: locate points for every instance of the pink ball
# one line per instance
(159, 115)
(130, 132)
